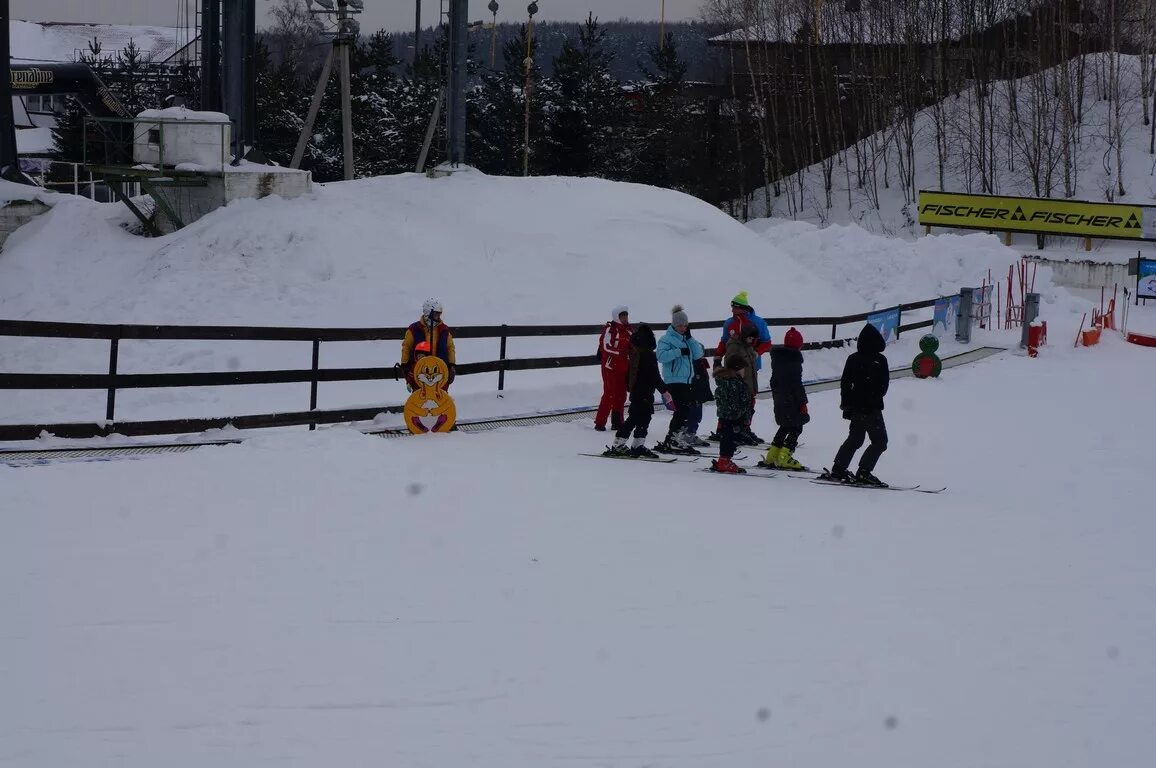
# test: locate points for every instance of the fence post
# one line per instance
(313, 381)
(834, 330)
(898, 320)
(1031, 312)
(113, 353)
(502, 362)
(963, 316)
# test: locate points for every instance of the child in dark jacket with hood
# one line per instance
(643, 379)
(863, 386)
(790, 398)
(733, 398)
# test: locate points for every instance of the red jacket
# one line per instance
(614, 347)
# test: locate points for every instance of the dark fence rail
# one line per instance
(113, 381)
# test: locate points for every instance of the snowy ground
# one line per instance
(334, 599)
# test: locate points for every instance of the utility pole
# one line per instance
(347, 31)
(416, 31)
(662, 25)
(532, 8)
(493, 6)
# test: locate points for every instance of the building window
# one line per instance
(154, 136)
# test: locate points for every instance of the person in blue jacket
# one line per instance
(678, 352)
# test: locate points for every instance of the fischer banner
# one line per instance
(1037, 215)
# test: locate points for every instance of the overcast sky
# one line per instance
(387, 14)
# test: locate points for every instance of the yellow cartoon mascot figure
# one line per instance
(430, 401)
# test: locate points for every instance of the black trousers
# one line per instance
(863, 425)
(638, 417)
(787, 437)
(683, 396)
(728, 441)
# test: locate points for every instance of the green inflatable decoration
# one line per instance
(927, 364)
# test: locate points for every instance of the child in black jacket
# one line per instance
(864, 384)
(790, 398)
(643, 380)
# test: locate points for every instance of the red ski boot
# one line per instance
(726, 466)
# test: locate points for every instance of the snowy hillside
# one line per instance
(866, 178)
(367, 253)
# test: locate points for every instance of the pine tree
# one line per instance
(496, 146)
(68, 135)
(590, 106)
(663, 121)
(282, 103)
(376, 92)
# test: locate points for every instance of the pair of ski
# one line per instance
(766, 472)
(668, 458)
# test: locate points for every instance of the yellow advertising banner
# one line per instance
(1034, 214)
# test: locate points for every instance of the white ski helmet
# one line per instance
(430, 306)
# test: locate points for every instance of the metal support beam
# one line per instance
(211, 55)
(9, 153)
(233, 70)
(314, 106)
(456, 90)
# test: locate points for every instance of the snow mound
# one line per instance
(495, 250)
(885, 271)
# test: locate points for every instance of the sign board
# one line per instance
(1146, 279)
(1073, 218)
(886, 322)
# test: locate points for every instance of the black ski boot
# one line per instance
(863, 477)
(837, 476)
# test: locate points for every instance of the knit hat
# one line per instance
(741, 300)
(793, 339)
(678, 315)
(620, 310)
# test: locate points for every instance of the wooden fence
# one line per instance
(113, 381)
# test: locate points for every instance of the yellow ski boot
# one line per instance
(786, 460)
(770, 461)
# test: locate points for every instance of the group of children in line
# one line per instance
(630, 365)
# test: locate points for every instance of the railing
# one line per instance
(76, 180)
(114, 381)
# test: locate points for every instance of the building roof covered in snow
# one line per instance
(37, 41)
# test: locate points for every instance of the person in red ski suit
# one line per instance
(614, 356)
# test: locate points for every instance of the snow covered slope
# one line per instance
(878, 204)
(495, 601)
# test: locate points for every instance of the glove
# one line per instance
(806, 418)
(668, 401)
(718, 362)
(847, 415)
(803, 409)
(686, 351)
